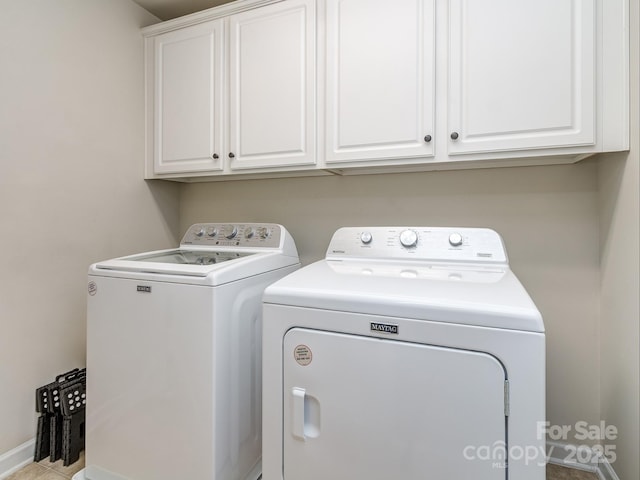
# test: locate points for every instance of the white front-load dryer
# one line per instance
(174, 356)
(406, 353)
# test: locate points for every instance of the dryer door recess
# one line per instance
(360, 407)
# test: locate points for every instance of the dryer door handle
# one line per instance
(297, 423)
(305, 414)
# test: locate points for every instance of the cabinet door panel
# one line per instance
(188, 98)
(272, 86)
(521, 74)
(380, 67)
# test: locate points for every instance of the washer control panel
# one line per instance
(250, 235)
(446, 244)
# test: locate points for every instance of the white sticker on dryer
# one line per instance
(303, 355)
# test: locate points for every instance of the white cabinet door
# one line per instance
(522, 75)
(272, 86)
(368, 408)
(188, 99)
(379, 79)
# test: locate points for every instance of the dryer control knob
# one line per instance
(366, 237)
(408, 238)
(455, 239)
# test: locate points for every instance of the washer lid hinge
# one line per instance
(506, 398)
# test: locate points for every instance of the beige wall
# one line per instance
(71, 149)
(548, 217)
(619, 185)
(71, 188)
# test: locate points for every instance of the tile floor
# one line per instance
(46, 470)
(556, 472)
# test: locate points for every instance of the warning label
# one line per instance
(303, 355)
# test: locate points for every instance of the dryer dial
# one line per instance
(455, 239)
(366, 237)
(408, 238)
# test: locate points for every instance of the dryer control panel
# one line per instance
(250, 235)
(439, 244)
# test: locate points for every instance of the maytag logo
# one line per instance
(144, 288)
(384, 328)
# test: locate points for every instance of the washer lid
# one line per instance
(197, 263)
(488, 296)
(173, 266)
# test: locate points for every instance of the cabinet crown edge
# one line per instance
(212, 13)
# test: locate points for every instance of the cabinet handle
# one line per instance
(454, 136)
(231, 155)
(215, 156)
(427, 138)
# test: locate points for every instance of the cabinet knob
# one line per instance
(231, 155)
(427, 138)
(215, 156)
(454, 136)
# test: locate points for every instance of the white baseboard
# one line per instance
(15, 459)
(581, 457)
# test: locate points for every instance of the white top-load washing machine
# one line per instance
(174, 356)
(407, 353)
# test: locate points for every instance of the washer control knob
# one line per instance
(249, 232)
(212, 231)
(199, 232)
(408, 238)
(230, 231)
(366, 237)
(455, 239)
(263, 232)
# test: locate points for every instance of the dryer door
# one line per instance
(367, 408)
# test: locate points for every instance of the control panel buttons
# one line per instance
(455, 239)
(366, 237)
(263, 232)
(240, 235)
(408, 238)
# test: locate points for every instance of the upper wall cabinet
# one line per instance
(522, 75)
(272, 94)
(187, 106)
(379, 79)
(304, 87)
(232, 93)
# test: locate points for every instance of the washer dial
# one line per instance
(212, 231)
(366, 237)
(229, 231)
(263, 232)
(249, 232)
(408, 238)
